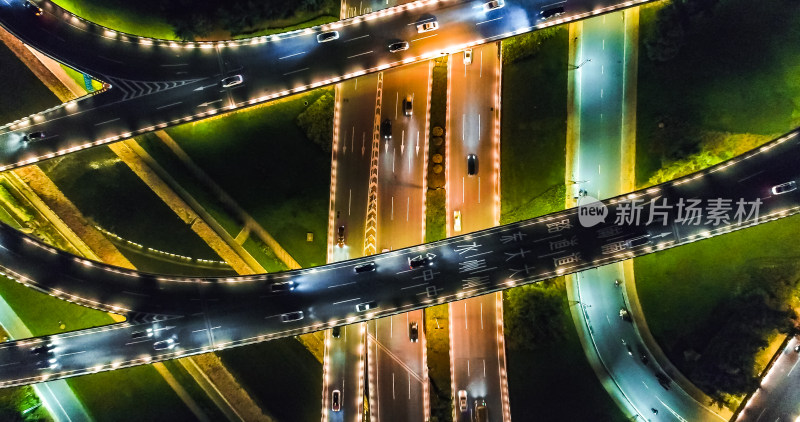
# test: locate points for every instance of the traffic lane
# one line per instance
(778, 396)
(345, 358)
(354, 149)
(601, 104)
(394, 334)
(509, 256)
(401, 166)
(620, 347)
(399, 391)
(473, 97)
(475, 353)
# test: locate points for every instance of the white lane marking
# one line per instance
(197, 331)
(174, 65)
(482, 322)
(7, 364)
(107, 121)
(295, 71)
(291, 55)
(416, 285)
(345, 301)
(361, 54)
(340, 285)
(169, 105)
(490, 20)
(357, 38)
(420, 39)
(73, 353)
(466, 325)
(793, 366)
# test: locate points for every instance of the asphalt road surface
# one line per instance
(226, 312)
(778, 396)
(154, 84)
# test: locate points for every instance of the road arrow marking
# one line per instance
(206, 104)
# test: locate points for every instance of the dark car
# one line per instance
(292, 316)
(398, 46)
(552, 12)
(336, 400)
(43, 348)
(340, 236)
(663, 380)
(413, 332)
(625, 315)
(365, 268)
(36, 10)
(386, 129)
(327, 36)
(286, 286)
(167, 344)
(35, 136)
(232, 81)
(472, 164)
(336, 332)
(643, 356)
(481, 412)
(418, 261)
(408, 105)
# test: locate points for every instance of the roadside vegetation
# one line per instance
(436, 197)
(23, 94)
(534, 124)
(713, 318)
(548, 374)
(265, 161)
(203, 19)
(282, 376)
(715, 78)
(437, 337)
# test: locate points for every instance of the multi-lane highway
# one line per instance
(159, 83)
(225, 312)
(778, 396)
(476, 342)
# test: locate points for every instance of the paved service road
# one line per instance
(156, 83)
(230, 311)
(778, 396)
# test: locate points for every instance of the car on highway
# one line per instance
(336, 400)
(365, 268)
(413, 332)
(797, 349)
(47, 364)
(468, 56)
(43, 349)
(638, 241)
(408, 104)
(642, 355)
(663, 380)
(366, 306)
(418, 261)
(457, 221)
(232, 81)
(292, 316)
(398, 46)
(340, 236)
(167, 344)
(35, 136)
(142, 334)
(462, 400)
(472, 164)
(784, 188)
(552, 12)
(36, 10)
(480, 413)
(493, 5)
(386, 129)
(624, 314)
(427, 26)
(327, 36)
(336, 332)
(283, 287)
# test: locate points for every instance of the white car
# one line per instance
(457, 221)
(232, 81)
(468, 56)
(462, 400)
(427, 26)
(493, 5)
(784, 188)
(167, 344)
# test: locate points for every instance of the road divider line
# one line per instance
(361, 54)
